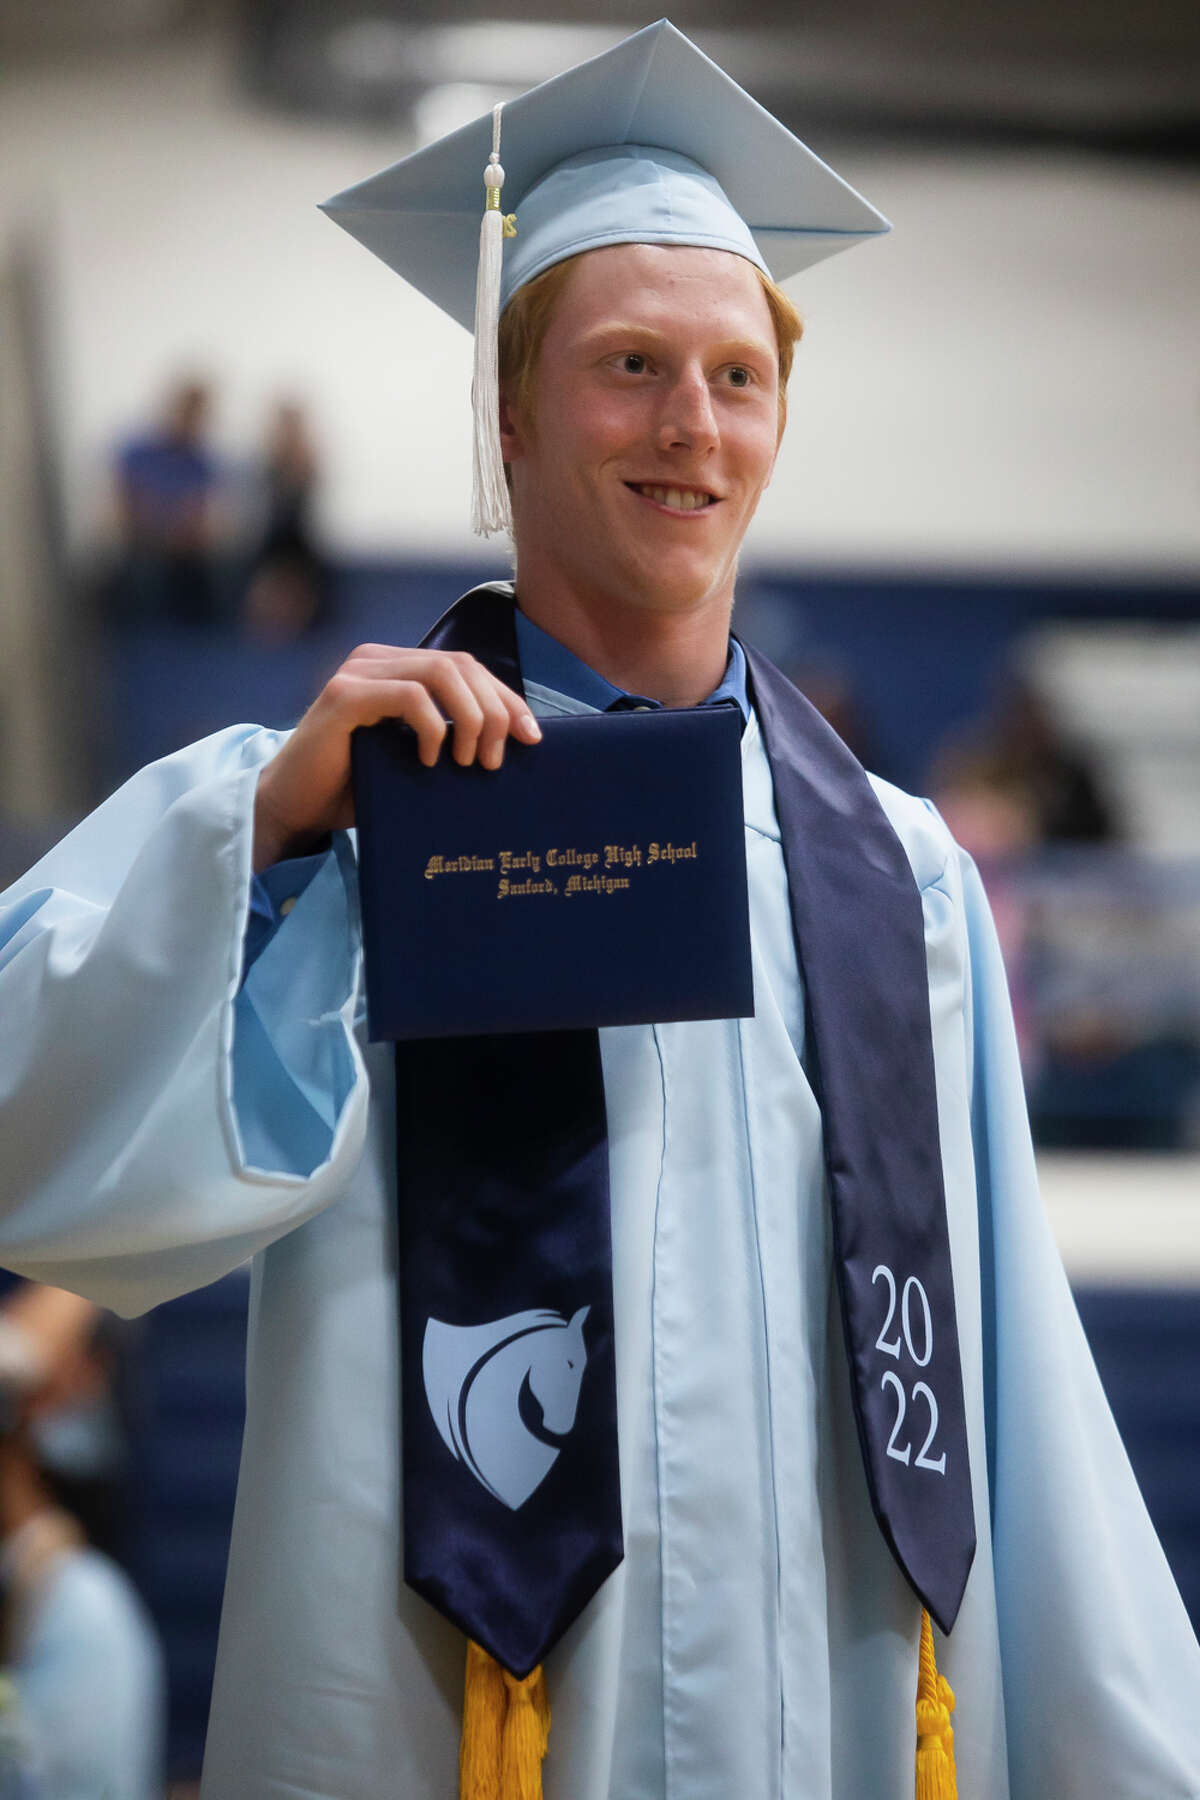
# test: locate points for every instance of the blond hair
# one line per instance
(526, 319)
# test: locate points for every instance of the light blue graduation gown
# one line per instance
(89, 1679)
(160, 1123)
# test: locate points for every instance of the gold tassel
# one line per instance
(526, 1731)
(506, 1726)
(936, 1779)
(485, 1702)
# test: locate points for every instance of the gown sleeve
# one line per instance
(1101, 1669)
(160, 1120)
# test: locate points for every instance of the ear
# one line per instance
(775, 458)
(513, 437)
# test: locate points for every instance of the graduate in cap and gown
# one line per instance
(831, 1412)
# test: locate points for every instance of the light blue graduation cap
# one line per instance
(649, 143)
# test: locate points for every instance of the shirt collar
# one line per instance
(551, 665)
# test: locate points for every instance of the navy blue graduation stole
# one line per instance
(512, 1503)
(505, 1254)
(860, 942)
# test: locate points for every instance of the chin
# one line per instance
(681, 586)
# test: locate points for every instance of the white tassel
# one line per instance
(490, 509)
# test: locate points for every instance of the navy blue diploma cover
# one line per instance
(596, 878)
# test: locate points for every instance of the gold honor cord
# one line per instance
(506, 1725)
(936, 1779)
(506, 1728)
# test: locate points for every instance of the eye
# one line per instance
(739, 376)
(633, 363)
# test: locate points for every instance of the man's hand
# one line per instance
(304, 791)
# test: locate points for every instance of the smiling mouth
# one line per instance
(682, 500)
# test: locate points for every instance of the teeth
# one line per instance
(677, 498)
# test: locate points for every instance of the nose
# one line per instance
(688, 420)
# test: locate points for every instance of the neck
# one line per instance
(22, 1492)
(675, 658)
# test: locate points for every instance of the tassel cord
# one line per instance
(490, 508)
(936, 1778)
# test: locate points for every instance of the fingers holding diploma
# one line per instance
(304, 791)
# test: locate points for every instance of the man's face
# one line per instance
(655, 433)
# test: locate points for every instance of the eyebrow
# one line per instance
(619, 332)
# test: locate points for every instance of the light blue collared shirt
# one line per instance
(551, 665)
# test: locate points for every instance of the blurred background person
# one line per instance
(834, 693)
(85, 1709)
(1020, 747)
(84, 1420)
(167, 492)
(992, 812)
(287, 591)
(1100, 948)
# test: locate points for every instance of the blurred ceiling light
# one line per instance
(442, 109)
(1104, 72)
(379, 51)
(515, 55)
(490, 53)
(39, 26)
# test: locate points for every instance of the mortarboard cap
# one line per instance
(649, 142)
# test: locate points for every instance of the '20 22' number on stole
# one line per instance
(919, 1346)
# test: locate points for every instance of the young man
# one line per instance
(191, 1086)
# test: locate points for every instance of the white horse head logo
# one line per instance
(504, 1395)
